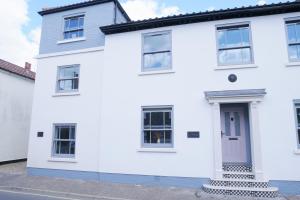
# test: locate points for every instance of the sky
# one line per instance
(20, 40)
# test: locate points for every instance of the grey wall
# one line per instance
(95, 16)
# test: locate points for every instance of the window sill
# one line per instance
(297, 151)
(66, 94)
(64, 160)
(156, 72)
(71, 40)
(157, 150)
(293, 64)
(247, 66)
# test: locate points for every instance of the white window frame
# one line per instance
(168, 32)
(297, 106)
(76, 29)
(234, 26)
(286, 22)
(53, 151)
(58, 79)
(146, 109)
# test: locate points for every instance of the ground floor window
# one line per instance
(297, 111)
(64, 140)
(157, 126)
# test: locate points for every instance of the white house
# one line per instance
(16, 95)
(209, 99)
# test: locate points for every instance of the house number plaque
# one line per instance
(193, 134)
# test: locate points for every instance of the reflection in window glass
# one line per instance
(157, 51)
(73, 27)
(293, 34)
(234, 45)
(64, 140)
(157, 127)
(68, 78)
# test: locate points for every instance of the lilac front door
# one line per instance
(233, 135)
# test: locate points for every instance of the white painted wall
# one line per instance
(112, 91)
(16, 94)
(82, 109)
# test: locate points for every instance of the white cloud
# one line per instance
(211, 8)
(145, 9)
(15, 46)
(261, 2)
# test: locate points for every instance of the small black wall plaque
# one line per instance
(40, 134)
(193, 134)
(232, 78)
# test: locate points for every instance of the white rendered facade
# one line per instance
(113, 89)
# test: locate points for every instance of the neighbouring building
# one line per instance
(16, 95)
(209, 99)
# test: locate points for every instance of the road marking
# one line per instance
(10, 188)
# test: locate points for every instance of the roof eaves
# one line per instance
(250, 11)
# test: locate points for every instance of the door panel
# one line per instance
(233, 135)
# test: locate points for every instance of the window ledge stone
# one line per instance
(156, 150)
(71, 40)
(293, 64)
(227, 67)
(66, 94)
(156, 72)
(64, 160)
(297, 151)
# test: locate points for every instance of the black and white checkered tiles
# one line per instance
(238, 180)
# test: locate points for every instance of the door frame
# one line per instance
(244, 107)
(253, 97)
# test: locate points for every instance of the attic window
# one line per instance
(73, 27)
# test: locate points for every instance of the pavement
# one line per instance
(16, 185)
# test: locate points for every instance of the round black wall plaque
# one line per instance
(232, 78)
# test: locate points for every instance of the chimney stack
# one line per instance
(28, 66)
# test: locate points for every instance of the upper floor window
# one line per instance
(157, 51)
(73, 27)
(297, 111)
(234, 45)
(68, 78)
(64, 140)
(157, 127)
(293, 32)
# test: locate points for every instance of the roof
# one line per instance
(250, 11)
(12, 68)
(47, 11)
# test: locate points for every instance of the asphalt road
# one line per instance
(24, 196)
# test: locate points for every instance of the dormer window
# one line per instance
(73, 27)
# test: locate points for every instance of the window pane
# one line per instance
(237, 124)
(299, 136)
(81, 22)
(56, 135)
(147, 120)
(158, 60)
(159, 42)
(246, 55)
(80, 33)
(157, 120)
(157, 137)
(168, 118)
(233, 56)
(69, 72)
(64, 147)
(168, 137)
(67, 24)
(67, 35)
(227, 124)
(147, 136)
(298, 116)
(64, 133)
(234, 38)
(297, 27)
(75, 84)
(245, 37)
(56, 147)
(72, 148)
(72, 135)
(291, 28)
(74, 23)
(222, 38)
(293, 52)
